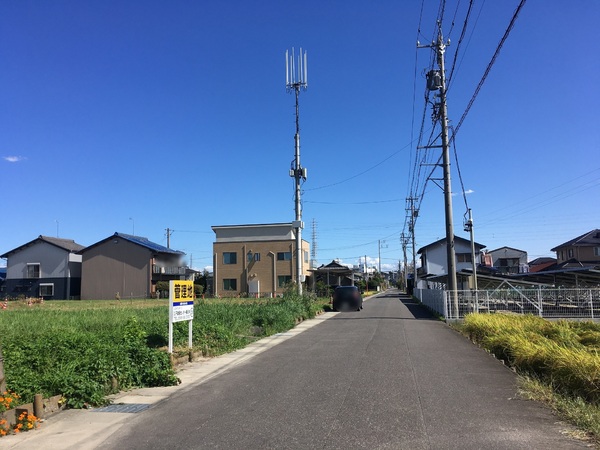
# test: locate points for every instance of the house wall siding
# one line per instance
(436, 259)
(116, 267)
(580, 253)
(53, 261)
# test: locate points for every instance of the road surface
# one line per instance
(388, 377)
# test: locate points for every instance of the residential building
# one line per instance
(335, 274)
(126, 266)
(434, 260)
(45, 267)
(541, 264)
(582, 250)
(256, 259)
(509, 260)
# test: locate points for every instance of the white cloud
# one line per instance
(467, 192)
(14, 159)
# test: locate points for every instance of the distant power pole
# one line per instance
(404, 241)
(436, 80)
(169, 233)
(469, 228)
(414, 213)
(313, 249)
(296, 78)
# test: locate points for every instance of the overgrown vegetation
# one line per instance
(87, 350)
(558, 361)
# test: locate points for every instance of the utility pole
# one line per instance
(469, 228)
(411, 228)
(404, 241)
(296, 78)
(436, 80)
(366, 276)
(169, 233)
(380, 243)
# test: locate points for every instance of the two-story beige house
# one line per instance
(256, 260)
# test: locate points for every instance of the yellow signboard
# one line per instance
(181, 300)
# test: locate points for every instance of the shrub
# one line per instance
(87, 350)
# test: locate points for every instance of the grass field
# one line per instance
(86, 350)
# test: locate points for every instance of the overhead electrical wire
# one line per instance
(460, 39)
(489, 67)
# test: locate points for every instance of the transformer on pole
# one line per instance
(296, 78)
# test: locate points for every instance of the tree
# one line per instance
(201, 282)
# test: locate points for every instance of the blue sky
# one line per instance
(140, 116)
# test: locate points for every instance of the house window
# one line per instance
(284, 256)
(253, 257)
(570, 253)
(33, 270)
(596, 251)
(46, 289)
(463, 257)
(230, 284)
(229, 258)
(283, 280)
(306, 257)
(257, 257)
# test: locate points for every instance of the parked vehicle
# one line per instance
(347, 298)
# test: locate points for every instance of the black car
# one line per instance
(347, 298)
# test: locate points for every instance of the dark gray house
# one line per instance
(46, 267)
(509, 260)
(126, 266)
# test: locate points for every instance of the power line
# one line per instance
(356, 203)
(489, 67)
(460, 39)
(361, 173)
(462, 186)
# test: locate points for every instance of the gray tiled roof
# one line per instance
(66, 244)
(591, 238)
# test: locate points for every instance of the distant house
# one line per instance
(582, 250)
(434, 260)
(509, 260)
(541, 264)
(46, 267)
(126, 266)
(257, 259)
(334, 274)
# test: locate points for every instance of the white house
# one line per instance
(46, 267)
(434, 261)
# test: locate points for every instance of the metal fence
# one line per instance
(548, 303)
(434, 299)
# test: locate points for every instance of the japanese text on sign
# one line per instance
(181, 300)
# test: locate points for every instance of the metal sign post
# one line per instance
(181, 307)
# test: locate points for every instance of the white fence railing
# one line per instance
(549, 303)
(434, 299)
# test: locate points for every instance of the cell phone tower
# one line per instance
(296, 78)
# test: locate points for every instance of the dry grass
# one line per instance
(559, 359)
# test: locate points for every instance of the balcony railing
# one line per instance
(168, 270)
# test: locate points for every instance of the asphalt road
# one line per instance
(390, 376)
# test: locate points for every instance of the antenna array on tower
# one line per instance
(296, 72)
